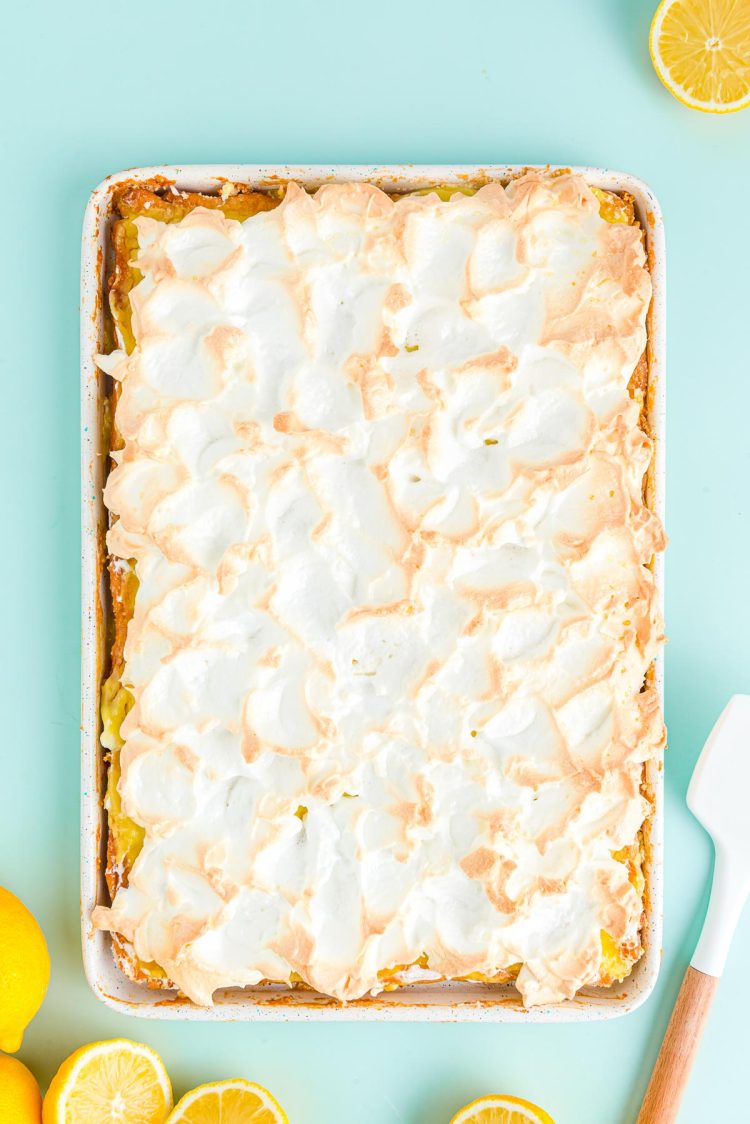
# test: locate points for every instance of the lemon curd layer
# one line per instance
(381, 483)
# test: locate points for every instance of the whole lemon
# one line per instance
(20, 1099)
(24, 970)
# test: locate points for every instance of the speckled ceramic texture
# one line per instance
(458, 1001)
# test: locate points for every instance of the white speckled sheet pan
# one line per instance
(457, 1001)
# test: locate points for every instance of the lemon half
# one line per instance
(228, 1102)
(498, 1109)
(701, 52)
(120, 1082)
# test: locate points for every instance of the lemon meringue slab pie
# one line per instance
(384, 617)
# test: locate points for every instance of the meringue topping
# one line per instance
(382, 482)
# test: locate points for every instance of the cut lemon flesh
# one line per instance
(701, 52)
(228, 1102)
(117, 1082)
(501, 1110)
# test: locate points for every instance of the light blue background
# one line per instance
(87, 89)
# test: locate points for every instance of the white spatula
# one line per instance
(719, 796)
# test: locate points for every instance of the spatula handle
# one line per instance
(664, 1094)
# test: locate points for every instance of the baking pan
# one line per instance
(449, 1001)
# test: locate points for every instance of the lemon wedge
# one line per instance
(701, 52)
(120, 1081)
(228, 1102)
(501, 1110)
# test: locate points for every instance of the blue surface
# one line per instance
(88, 89)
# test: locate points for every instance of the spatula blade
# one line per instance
(719, 792)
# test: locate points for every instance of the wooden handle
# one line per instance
(677, 1054)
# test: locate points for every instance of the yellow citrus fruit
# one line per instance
(20, 1099)
(24, 970)
(228, 1102)
(701, 51)
(501, 1110)
(120, 1082)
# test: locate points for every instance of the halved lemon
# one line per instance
(501, 1110)
(228, 1102)
(701, 51)
(117, 1082)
